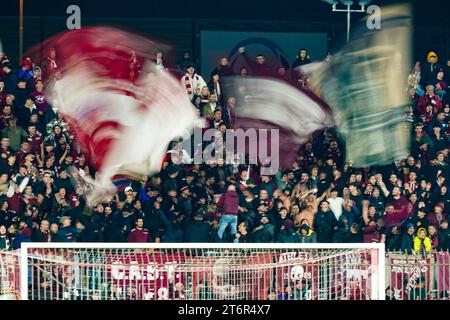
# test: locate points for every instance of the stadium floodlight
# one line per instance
(348, 10)
(332, 2)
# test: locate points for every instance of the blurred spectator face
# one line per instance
(263, 194)
(324, 206)
(216, 77)
(45, 225)
(432, 230)
(47, 178)
(37, 72)
(260, 59)
(140, 223)
(34, 119)
(243, 72)
(389, 209)
(2, 230)
(190, 70)
(5, 143)
(295, 209)
(376, 193)
(430, 90)
(223, 61)
(396, 191)
(108, 210)
(393, 178)
(172, 193)
(54, 228)
(4, 178)
(186, 55)
(437, 209)
(242, 227)
(22, 85)
(213, 97)
(52, 54)
(303, 54)
(372, 211)
(281, 71)
(99, 208)
(422, 233)
(2, 85)
(39, 86)
(205, 91)
(444, 224)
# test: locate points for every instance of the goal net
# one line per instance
(201, 272)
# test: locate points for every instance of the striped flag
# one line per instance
(124, 126)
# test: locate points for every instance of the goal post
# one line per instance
(163, 271)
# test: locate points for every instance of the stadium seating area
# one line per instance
(320, 198)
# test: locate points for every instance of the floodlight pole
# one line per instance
(21, 29)
(349, 11)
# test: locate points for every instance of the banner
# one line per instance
(443, 271)
(405, 273)
(147, 276)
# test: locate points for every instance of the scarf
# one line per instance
(188, 82)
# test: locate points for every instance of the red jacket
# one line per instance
(425, 99)
(229, 203)
(139, 235)
(433, 219)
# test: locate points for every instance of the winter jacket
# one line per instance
(265, 234)
(67, 234)
(288, 236)
(198, 231)
(418, 241)
(229, 203)
(428, 70)
(407, 243)
(311, 237)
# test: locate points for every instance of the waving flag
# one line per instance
(271, 104)
(364, 85)
(123, 126)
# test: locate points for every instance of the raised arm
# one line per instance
(382, 185)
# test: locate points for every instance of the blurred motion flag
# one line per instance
(364, 85)
(273, 104)
(124, 126)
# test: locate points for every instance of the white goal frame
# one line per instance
(377, 281)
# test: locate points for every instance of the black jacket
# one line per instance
(407, 243)
(198, 231)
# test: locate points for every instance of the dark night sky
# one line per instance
(428, 12)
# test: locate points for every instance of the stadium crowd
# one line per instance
(320, 198)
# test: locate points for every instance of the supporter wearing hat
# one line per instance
(429, 68)
(307, 235)
(191, 80)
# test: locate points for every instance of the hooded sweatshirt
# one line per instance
(421, 244)
(429, 69)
